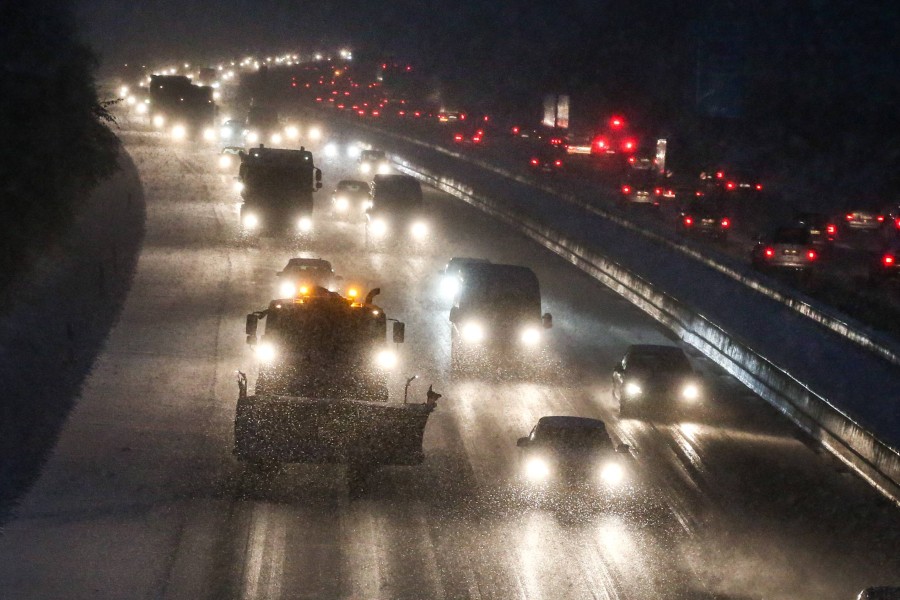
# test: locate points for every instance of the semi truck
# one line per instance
(181, 109)
(321, 395)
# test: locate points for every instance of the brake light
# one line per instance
(725, 223)
(888, 260)
(769, 252)
(616, 122)
(476, 139)
(417, 114)
(361, 112)
(880, 218)
(626, 189)
(600, 143)
(629, 145)
(812, 254)
(462, 116)
(515, 130)
(758, 187)
(535, 161)
(897, 223)
(557, 163)
(458, 137)
(698, 193)
(720, 174)
(830, 229)
(688, 221)
(729, 185)
(849, 216)
(402, 113)
(658, 191)
(631, 159)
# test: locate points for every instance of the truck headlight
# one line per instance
(537, 469)
(531, 336)
(353, 151)
(179, 132)
(304, 224)
(224, 161)
(265, 352)
(633, 389)
(365, 167)
(276, 138)
(315, 133)
(612, 473)
(130, 100)
(252, 137)
(239, 186)
(159, 121)
(384, 169)
(450, 286)
(379, 227)
(690, 391)
(419, 230)
(287, 289)
(386, 359)
(341, 204)
(209, 134)
(251, 221)
(292, 132)
(331, 150)
(473, 332)
(226, 132)
(141, 108)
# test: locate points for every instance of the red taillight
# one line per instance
(658, 191)
(720, 174)
(698, 193)
(729, 185)
(769, 252)
(535, 162)
(402, 113)
(888, 260)
(631, 159)
(462, 116)
(486, 118)
(688, 221)
(758, 187)
(417, 114)
(557, 163)
(616, 122)
(629, 145)
(880, 218)
(897, 223)
(361, 112)
(849, 216)
(458, 137)
(293, 84)
(726, 223)
(812, 254)
(600, 143)
(318, 99)
(375, 113)
(476, 139)
(626, 189)
(515, 131)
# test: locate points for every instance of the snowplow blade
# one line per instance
(288, 429)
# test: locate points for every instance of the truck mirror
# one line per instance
(547, 321)
(318, 185)
(252, 322)
(454, 314)
(522, 442)
(371, 295)
(318, 174)
(399, 332)
(623, 449)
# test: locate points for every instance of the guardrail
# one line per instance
(839, 433)
(879, 344)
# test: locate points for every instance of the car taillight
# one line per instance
(658, 191)
(849, 216)
(729, 185)
(626, 189)
(720, 174)
(616, 122)
(688, 221)
(458, 137)
(725, 223)
(476, 139)
(758, 187)
(897, 223)
(417, 114)
(698, 193)
(880, 218)
(600, 143)
(629, 144)
(515, 131)
(631, 160)
(535, 161)
(830, 229)
(769, 252)
(557, 163)
(888, 260)
(812, 254)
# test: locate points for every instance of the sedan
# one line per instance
(821, 229)
(650, 375)
(570, 454)
(788, 248)
(351, 198)
(863, 219)
(702, 217)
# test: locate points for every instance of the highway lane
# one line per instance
(142, 498)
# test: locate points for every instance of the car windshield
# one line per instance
(352, 186)
(791, 235)
(372, 155)
(573, 437)
(659, 362)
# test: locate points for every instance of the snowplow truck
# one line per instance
(277, 187)
(181, 109)
(321, 395)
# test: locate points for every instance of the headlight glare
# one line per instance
(419, 230)
(612, 473)
(386, 359)
(537, 469)
(287, 289)
(379, 227)
(531, 336)
(633, 389)
(265, 352)
(304, 224)
(690, 391)
(473, 332)
(251, 221)
(224, 161)
(341, 204)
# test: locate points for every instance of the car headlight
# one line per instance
(341, 204)
(379, 227)
(450, 286)
(315, 133)
(159, 121)
(179, 132)
(419, 230)
(226, 132)
(473, 332)
(612, 473)
(141, 108)
(365, 167)
(531, 336)
(251, 221)
(123, 91)
(384, 169)
(292, 132)
(209, 134)
(239, 186)
(353, 151)
(224, 161)
(537, 469)
(130, 100)
(304, 224)
(331, 150)
(633, 389)
(287, 289)
(386, 359)
(265, 352)
(690, 391)
(252, 137)
(366, 204)
(276, 138)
